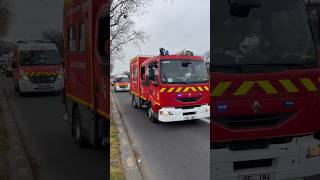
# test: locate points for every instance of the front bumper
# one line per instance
(122, 88)
(168, 114)
(288, 161)
(27, 86)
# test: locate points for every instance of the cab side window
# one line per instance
(72, 39)
(143, 71)
(82, 37)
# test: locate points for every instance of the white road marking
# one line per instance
(130, 162)
(207, 120)
(124, 142)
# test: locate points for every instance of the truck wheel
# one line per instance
(134, 102)
(77, 128)
(151, 115)
(21, 94)
(15, 88)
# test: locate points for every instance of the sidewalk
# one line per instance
(14, 163)
(129, 162)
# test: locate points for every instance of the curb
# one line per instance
(128, 159)
(19, 164)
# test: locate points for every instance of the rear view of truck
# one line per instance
(265, 90)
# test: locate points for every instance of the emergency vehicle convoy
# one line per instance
(37, 68)
(121, 83)
(170, 87)
(265, 90)
(86, 31)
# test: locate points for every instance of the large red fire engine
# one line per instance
(171, 87)
(265, 90)
(86, 25)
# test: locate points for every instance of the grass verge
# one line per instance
(116, 170)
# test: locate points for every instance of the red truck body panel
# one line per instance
(83, 69)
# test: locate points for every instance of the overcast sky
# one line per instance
(174, 25)
(31, 17)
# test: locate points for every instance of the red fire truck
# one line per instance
(265, 90)
(86, 31)
(171, 87)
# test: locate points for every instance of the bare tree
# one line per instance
(206, 56)
(55, 37)
(126, 73)
(122, 25)
(5, 16)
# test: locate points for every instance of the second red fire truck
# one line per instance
(170, 87)
(265, 90)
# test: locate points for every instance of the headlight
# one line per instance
(60, 77)
(313, 151)
(24, 77)
(166, 113)
(207, 109)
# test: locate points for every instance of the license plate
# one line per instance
(189, 117)
(262, 176)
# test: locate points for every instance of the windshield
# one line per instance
(40, 57)
(121, 79)
(275, 33)
(183, 71)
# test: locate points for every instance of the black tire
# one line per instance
(150, 115)
(21, 94)
(133, 101)
(77, 128)
(15, 88)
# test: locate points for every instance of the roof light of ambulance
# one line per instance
(221, 107)
(313, 151)
(288, 104)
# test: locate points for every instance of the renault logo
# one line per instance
(256, 106)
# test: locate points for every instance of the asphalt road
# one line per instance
(168, 151)
(47, 137)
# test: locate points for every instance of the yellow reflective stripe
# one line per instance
(200, 88)
(186, 89)
(171, 89)
(289, 86)
(308, 84)
(206, 88)
(163, 89)
(244, 88)
(179, 89)
(220, 88)
(103, 113)
(194, 89)
(267, 87)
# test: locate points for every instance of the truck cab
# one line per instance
(171, 87)
(265, 90)
(37, 68)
